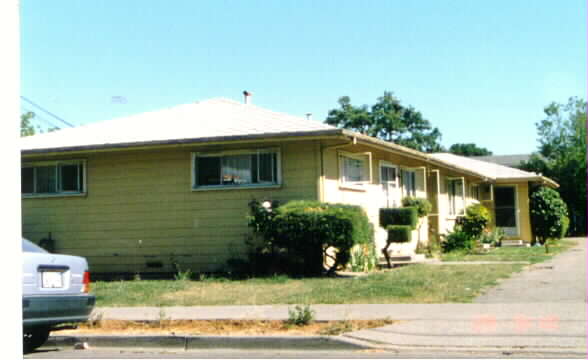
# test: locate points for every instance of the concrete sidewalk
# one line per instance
(446, 312)
(536, 326)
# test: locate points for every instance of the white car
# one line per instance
(55, 290)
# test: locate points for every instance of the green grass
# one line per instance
(409, 284)
(530, 254)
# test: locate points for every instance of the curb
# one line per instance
(188, 343)
(508, 350)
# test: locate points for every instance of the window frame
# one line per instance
(453, 214)
(475, 192)
(366, 159)
(414, 182)
(58, 178)
(220, 154)
(386, 164)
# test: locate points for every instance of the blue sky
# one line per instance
(481, 71)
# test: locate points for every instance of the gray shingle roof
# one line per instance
(490, 170)
(506, 160)
(206, 120)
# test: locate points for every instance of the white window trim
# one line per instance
(472, 198)
(56, 163)
(415, 169)
(366, 157)
(278, 184)
(395, 183)
(491, 199)
(463, 196)
(388, 164)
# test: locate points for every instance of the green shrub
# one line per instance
(399, 233)
(457, 240)
(422, 205)
(296, 235)
(549, 214)
(300, 315)
(475, 220)
(399, 216)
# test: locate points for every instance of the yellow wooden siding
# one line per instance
(140, 207)
(372, 197)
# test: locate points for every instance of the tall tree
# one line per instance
(562, 146)
(26, 126)
(469, 149)
(388, 120)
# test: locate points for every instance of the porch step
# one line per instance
(513, 243)
(403, 259)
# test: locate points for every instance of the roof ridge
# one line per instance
(263, 109)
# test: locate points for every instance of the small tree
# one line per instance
(549, 215)
(399, 222)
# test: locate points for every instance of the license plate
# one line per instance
(52, 279)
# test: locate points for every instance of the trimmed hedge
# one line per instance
(299, 232)
(399, 233)
(399, 216)
(422, 205)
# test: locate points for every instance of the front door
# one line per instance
(505, 209)
(389, 182)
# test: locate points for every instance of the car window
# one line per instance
(28, 246)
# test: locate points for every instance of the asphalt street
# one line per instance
(292, 354)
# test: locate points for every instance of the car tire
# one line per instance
(34, 337)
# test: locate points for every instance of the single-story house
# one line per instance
(140, 193)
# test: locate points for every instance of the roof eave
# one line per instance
(539, 178)
(183, 142)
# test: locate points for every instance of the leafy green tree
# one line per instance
(549, 215)
(469, 149)
(388, 120)
(26, 126)
(562, 146)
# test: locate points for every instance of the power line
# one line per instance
(47, 111)
(48, 122)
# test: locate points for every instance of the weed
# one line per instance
(183, 275)
(301, 315)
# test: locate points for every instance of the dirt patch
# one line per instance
(220, 327)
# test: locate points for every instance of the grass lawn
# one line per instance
(408, 284)
(531, 254)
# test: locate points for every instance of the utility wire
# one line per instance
(47, 111)
(48, 122)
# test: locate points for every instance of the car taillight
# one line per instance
(86, 283)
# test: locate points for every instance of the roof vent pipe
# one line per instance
(247, 96)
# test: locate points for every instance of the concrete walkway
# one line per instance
(561, 279)
(543, 307)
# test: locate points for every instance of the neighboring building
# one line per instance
(139, 194)
(513, 161)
